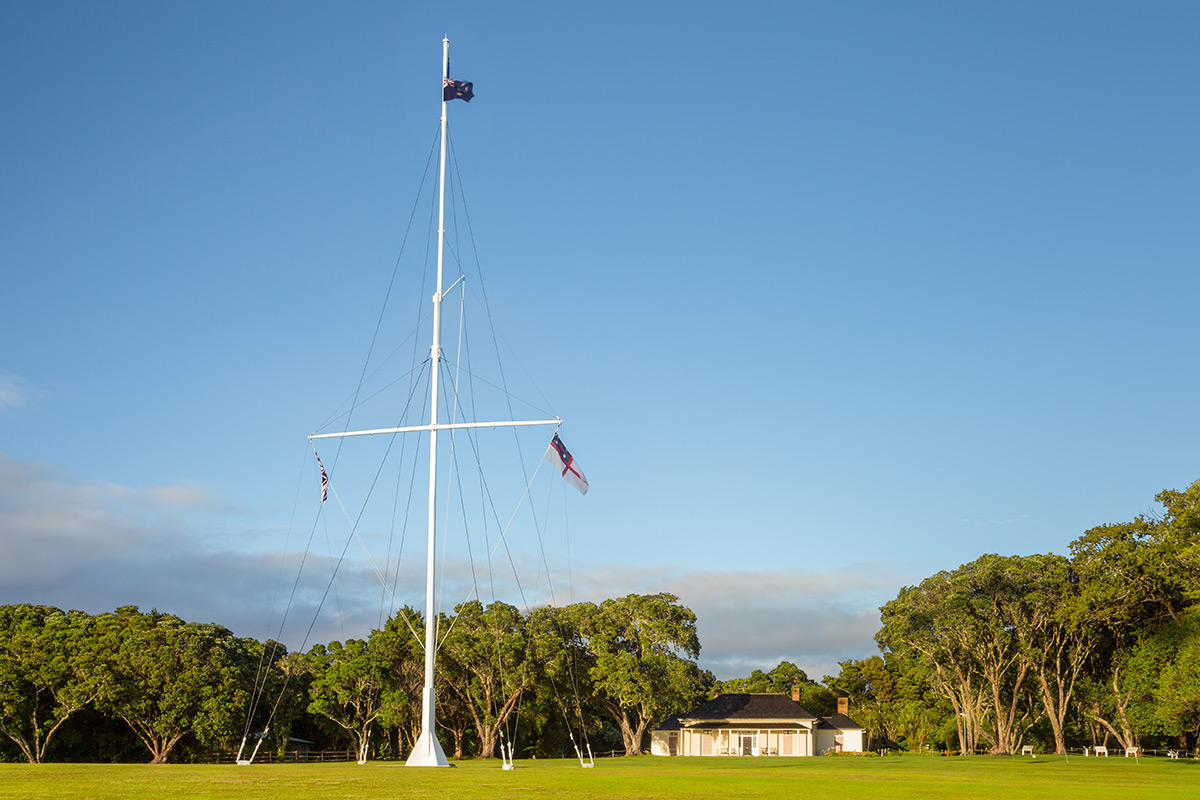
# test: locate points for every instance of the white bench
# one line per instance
(1131, 751)
(1172, 754)
(1100, 750)
(1027, 750)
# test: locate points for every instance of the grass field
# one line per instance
(644, 777)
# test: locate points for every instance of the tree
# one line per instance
(1040, 603)
(1132, 571)
(174, 678)
(562, 699)
(782, 679)
(279, 697)
(1161, 677)
(893, 698)
(1134, 578)
(789, 679)
(400, 648)
(866, 684)
(958, 623)
(348, 688)
(642, 646)
(50, 669)
(1181, 525)
(483, 661)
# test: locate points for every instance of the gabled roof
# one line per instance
(840, 722)
(746, 707)
(672, 724)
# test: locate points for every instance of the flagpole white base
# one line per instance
(427, 753)
(428, 750)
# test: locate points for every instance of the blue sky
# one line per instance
(830, 295)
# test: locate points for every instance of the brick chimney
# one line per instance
(844, 705)
(796, 694)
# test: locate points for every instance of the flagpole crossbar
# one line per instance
(438, 427)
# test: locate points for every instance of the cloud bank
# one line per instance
(753, 619)
(76, 543)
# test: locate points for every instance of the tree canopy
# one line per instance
(1060, 651)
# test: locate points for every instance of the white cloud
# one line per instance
(15, 391)
(754, 619)
(75, 543)
(181, 496)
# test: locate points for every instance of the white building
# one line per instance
(755, 724)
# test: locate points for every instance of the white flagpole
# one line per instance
(427, 751)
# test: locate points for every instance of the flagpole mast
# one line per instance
(427, 752)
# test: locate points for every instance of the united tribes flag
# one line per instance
(558, 455)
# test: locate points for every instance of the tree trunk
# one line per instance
(1058, 670)
(1125, 734)
(35, 751)
(159, 746)
(1010, 714)
(458, 734)
(631, 735)
(487, 741)
(957, 686)
(28, 752)
(966, 704)
(959, 715)
(162, 746)
(362, 742)
(1055, 712)
(632, 744)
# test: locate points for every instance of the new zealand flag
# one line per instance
(457, 90)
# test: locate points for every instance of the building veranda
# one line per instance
(756, 724)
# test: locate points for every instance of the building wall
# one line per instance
(789, 742)
(830, 740)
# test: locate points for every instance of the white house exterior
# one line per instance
(839, 734)
(754, 724)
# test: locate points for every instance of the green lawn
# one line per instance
(645, 777)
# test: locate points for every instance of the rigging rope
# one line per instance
(502, 539)
(265, 659)
(454, 482)
(354, 402)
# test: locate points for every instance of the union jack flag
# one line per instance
(324, 480)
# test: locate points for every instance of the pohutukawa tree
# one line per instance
(959, 624)
(483, 657)
(50, 668)
(642, 648)
(172, 679)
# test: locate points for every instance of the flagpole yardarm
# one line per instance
(452, 426)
